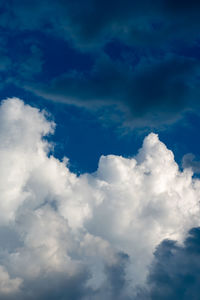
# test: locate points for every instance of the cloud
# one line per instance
(8, 285)
(152, 93)
(174, 273)
(189, 161)
(96, 22)
(64, 236)
(155, 88)
(145, 24)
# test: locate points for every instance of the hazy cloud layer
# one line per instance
(149, 94)
(86, 237)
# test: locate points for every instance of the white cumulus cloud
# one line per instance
(83, 237)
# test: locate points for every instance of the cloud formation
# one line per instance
(64, 236)
(174, 273)
(149, 93)
(152, 81)
(145, 23)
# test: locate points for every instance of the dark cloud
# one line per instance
(154, 89)
(93, 22)
(151, 93)
(116, 278)
(56, 286)
(175, 271)
(144, 23)
(60, 286)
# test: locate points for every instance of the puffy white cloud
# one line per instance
(77, 236)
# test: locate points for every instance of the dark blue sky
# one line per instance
(109, 73)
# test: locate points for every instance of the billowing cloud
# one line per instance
(92, 236)
(174, 272)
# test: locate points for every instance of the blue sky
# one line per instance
(117, 84)
(108, 74)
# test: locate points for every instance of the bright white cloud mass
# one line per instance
(92, 236)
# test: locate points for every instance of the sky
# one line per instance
(99, 150)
